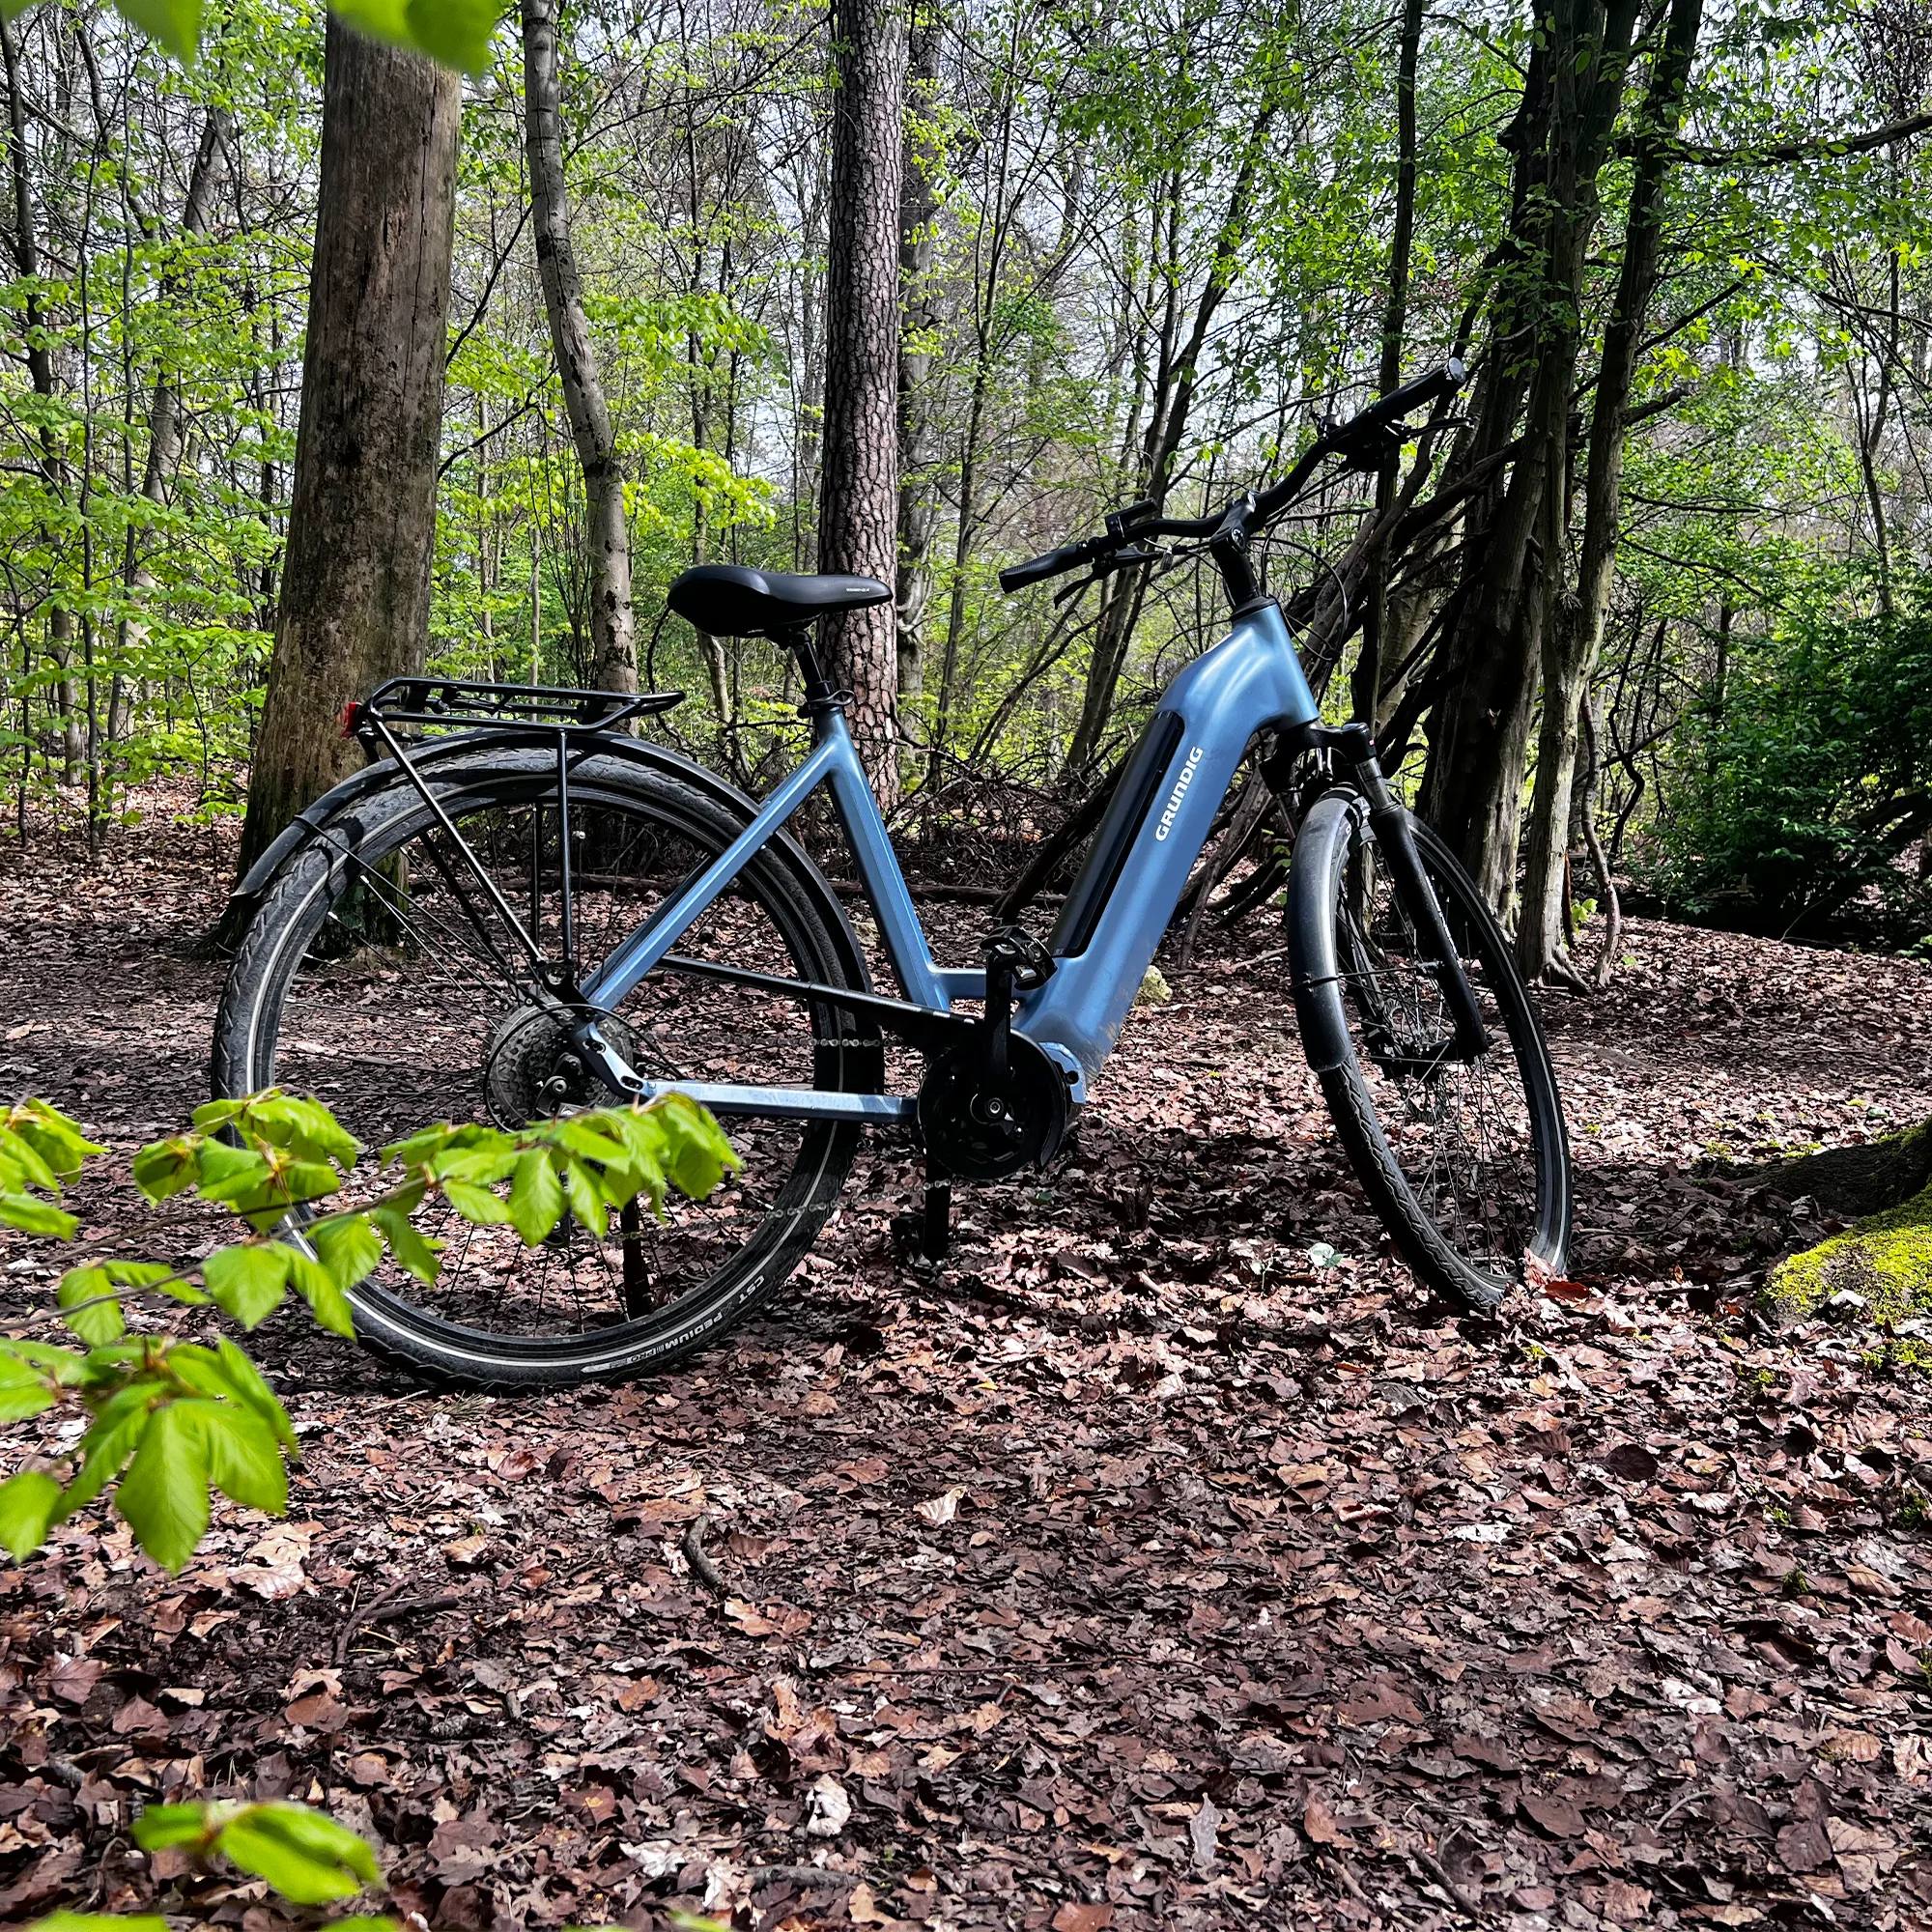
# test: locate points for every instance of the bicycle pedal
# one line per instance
(1025, 958)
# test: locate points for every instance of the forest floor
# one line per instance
(1132, 1570)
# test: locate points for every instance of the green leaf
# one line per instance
(587, 1201)
(163, 1168)
(175, 23)
(317, 1287)
(85, 1296)
(99, 1921)
(308, 1858)
(348, 1247)
(248, 1280)
(27, 1505)
(36, 1217)
(698, 1153)
(163, 1825)
(455, 32)
(475, 1204)
(58, 1139)
(118, 1425)
(245, 1461)
(249, 1387)
(164, 1495)
(24, 1389)
(536, 1197)
(408, 1246)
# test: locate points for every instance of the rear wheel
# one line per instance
(1466, 1162)
(377, 976)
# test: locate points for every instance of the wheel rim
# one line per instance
(401, 1002)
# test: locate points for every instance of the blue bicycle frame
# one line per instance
(1163, 812)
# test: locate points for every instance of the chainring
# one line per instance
(963, 1141)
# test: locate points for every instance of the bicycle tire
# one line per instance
(845, 1054)
(1340, 972)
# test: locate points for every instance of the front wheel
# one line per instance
(1466, 1162)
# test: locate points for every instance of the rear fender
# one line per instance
(311, 823)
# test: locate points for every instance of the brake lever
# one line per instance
(1120, 560)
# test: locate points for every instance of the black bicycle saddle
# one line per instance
(728, 600)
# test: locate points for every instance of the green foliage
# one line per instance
(38, 1149)
(306, 1856)
(302, 1854)
(455, 32)
(1789, 811)
(169, 1420)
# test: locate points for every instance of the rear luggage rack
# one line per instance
(546, 708)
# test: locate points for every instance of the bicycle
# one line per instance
(542, 911)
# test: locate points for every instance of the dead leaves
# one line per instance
(1116, 1579)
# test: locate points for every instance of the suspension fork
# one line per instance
(1395, 839)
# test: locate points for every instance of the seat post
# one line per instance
(819, 694)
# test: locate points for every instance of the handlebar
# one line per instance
(1365, 439)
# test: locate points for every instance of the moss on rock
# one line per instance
(1886, 1258)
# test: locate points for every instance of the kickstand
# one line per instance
(924, 1235)
(935, 1235)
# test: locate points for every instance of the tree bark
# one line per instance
(613, 642)
(356, 586)
(1367, 679)
(1486, 672)
(26, 253)
(1572, 643)
(858, 519)
(918, 206)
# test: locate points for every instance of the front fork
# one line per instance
(1394, 839)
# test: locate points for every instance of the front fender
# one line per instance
(1320, 850)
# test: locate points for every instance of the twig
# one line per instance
(702, 1568)
(1688, 1798)
(802, 1875)
(384, 1609)
(1434, 1867)
(355, 1618)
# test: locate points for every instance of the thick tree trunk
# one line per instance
(858, 519)
(26, 252)
(1486, 672)
(1571, 645)
(356, 585)
(614, 639)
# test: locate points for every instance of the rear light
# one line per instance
(351, 716)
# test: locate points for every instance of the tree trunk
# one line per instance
(1486, 672)
(614, 639)
(1367, 679)
(26, 253)
(918, 206)
(858, 519)
(1570, 645)
(356, 585)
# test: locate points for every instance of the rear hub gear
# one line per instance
(533, 1068)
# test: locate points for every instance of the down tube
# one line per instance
(1249, 681)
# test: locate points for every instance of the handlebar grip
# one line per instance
(1037, 569)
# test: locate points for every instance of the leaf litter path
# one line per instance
(1132, 1570)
